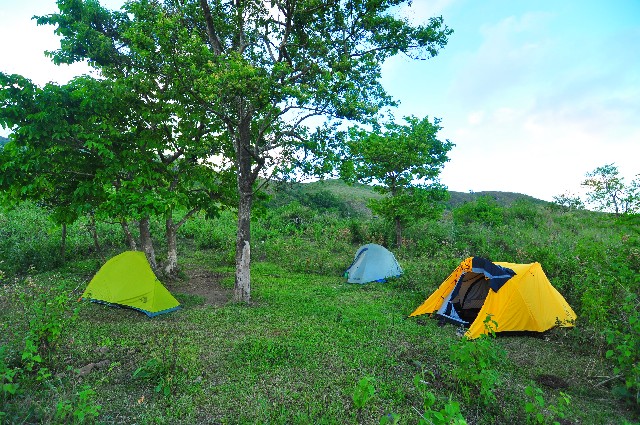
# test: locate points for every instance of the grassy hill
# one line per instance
(311, 349)
(353, 198)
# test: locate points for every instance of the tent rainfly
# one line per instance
(372, 263)
(127, 280)
(518, 297)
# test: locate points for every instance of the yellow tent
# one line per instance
(519, 297)
(127, 280)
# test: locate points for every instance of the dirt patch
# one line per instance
(552, 381)
(205, 284)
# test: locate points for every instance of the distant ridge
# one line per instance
(3, 141)
(353, 198)
(504, 199)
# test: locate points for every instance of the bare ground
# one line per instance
(203, 283)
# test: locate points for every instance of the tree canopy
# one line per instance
(250, 74)
(609, 192)
(402, 161)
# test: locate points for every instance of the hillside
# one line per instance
(353, 198)
(309, 348)
(3, 141)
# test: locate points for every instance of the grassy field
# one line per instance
(311, 349)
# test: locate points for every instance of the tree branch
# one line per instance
(216, 45)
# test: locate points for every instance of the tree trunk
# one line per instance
(398, 232)
(133, 246)
(242, 288)
(147, 243)
(171, 268)
(63, 242)
(246, 176)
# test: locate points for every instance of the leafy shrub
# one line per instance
(78, 410)
(8, 377)
(523, 211)
(363, 392)
(483, 210)
(28, 348)
(625, 350)
(215, 233)
(324, 200)
(474, 362)
(448, 415)
(538, 411)
(29, 239)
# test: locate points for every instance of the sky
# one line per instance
(533, 93)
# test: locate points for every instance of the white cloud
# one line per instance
(475, 117)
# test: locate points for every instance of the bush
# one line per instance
(474, 362)
(625, 350)
(483, 210)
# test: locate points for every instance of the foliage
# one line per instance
(483, 210)
(8, 376)
(539, 412)
(296, 354)
(78, 410)
(403, 162)
(363, 392)
(608, 191)
(47, 310)
(448, 415)
(569, 201)
(625, 350)
(168, 373)
(26, 361)
(474, 365)
(246, 72)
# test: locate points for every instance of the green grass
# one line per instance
(294, 356)
(297, 352)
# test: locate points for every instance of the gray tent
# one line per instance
(372, 263)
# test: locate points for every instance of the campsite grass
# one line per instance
(297, 352)
(294, 356)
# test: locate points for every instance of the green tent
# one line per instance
(127, 280)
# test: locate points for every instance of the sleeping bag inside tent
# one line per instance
(372, 263)
(127, 280)
(519, 297)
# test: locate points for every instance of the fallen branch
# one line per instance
(607, 380)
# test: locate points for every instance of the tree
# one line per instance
(261, 69)
(403, 162)
(568, 201)
(85, 148)
(45, 161)
(608, 192)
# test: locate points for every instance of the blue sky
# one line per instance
(534, 93)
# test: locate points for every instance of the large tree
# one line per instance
(403, 162)
(261, 69)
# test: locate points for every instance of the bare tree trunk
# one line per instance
(398, 232)
(242, 288)
(171, 268)
(63, 242)
(147, 243)
(133, 246)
